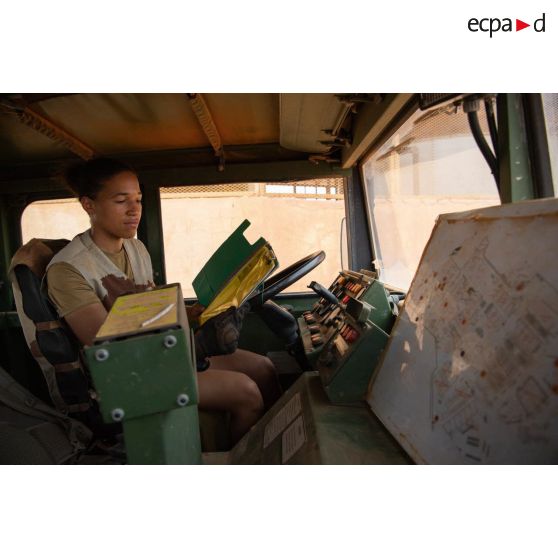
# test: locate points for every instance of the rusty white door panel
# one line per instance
(471, 371)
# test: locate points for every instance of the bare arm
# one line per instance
(86, 321)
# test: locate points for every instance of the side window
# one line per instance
(429, 166)
(61, 218)
(297, 218)
(550, 108)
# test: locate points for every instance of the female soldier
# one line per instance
(86, 277)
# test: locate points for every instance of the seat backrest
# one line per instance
(52, 345)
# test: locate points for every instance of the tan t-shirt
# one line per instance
(68, 289)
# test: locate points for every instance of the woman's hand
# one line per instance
(219, 335)
(194, 312)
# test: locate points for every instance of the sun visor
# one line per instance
(235, 271)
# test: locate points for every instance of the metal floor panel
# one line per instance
(304, 428)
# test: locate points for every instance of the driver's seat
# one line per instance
(52, 345)
(57, 352)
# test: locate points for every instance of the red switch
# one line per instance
(352, 336)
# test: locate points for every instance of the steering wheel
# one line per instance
(280, 281)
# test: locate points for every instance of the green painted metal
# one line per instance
(346, 381)
(141, 376)
(327, 434)
(225, 262)
(516, 181)
(240, 172)
(164, 438)
(255, 335)
(346, 367)
(150, 232)
(164, 174)
(382, 314)
(144, 380)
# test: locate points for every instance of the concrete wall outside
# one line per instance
(195, 227)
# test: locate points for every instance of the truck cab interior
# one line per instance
(414, 315)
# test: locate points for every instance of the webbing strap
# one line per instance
(47, 326)
(78, 407)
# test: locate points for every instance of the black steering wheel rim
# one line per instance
(280, 281)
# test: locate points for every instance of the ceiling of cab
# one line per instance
(129, 123)
(151, 130)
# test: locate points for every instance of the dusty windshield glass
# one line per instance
(429, 166)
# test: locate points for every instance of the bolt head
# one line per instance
(117, 414)
(182, 400)
(170, 341)
(101, 355)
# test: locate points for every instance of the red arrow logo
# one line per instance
(519, 25)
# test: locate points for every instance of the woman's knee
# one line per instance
(261, 368)
(268, 366)
(249, 396)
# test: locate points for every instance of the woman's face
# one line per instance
(116, 210)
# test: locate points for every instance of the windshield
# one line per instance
(429, 166)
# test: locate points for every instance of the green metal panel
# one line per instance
(240, 172)
(164, 438)
(346, 364)
(227, 260)
(150, 231)
(150, 384)
(141, 375)
(163, 174)
(148, 379)
(347, 382)
(516, 182)
(382, 314)
(357, 225)
(304, 428)
(256, 335)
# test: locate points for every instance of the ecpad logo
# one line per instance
(494, 24)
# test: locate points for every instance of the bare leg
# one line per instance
(257, 367)
(227, 390)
